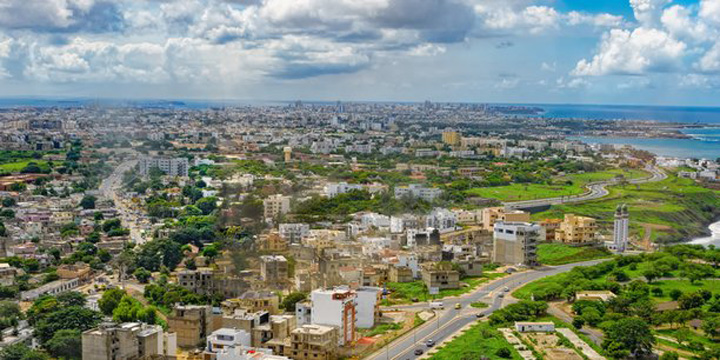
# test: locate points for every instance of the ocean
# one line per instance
(677, 114)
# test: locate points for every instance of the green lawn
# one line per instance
(479, 341)
(559, 254)
(380, 329)
(685, 286)
(19, 165)
(678, 208)
(479, 305)
(520, 192)
(403, 293)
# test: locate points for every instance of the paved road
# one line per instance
(449, 321)
(595, 191)
(110, 188)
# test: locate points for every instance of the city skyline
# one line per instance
(651, 52)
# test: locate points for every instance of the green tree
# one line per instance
(207, 204)
(669, 355)
(110, 300)
(289, 301)
(711, 326)
(71, 298)
(691, 301)
(65, 344)
(71, 317)
(88, 202)
(142, 275)
(20, 351)
(628, 336)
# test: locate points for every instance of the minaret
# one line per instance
(288, 154)
(622, 228)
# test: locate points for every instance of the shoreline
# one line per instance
(713, 238)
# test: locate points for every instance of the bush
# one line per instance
(504, 353)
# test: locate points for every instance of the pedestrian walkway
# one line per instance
(580, 344)
(526, 353)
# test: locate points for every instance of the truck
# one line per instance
(437, 305)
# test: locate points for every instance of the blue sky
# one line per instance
(561, 51)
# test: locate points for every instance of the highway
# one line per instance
(109, 188)
(448, 321)
(595, 191)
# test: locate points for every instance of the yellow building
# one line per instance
(494, 214)
(451, 138)
(577, 230)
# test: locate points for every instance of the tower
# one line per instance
(288, 153)
(622, 228)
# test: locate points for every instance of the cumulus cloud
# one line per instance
(633, 52)
(61, 15)
(648, 12)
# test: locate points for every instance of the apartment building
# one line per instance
(451, 138)
(225, 338)
(516, 243)
(577, 230)
(418, 191)
(199, 281)
(127, 341)
(439, 276)
(276, 205)
(336, 307)
(272, 242)
(294, 232)
(169, 166)
(273, 268)
(494, 214)
(368, 306)
(191, 323)
(311, 342)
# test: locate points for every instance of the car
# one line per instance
(430, 343)
(458, 306)
(501, 295)
(506, 289)
(419, 351)
(479, 315)
(414, 299)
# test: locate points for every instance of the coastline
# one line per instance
(713, 237)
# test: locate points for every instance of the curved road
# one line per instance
(447, 322)
(595, 191)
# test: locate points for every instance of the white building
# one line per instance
(418, 191)
(442, 219)
(224, 338)
(523, 327)
(294, 232)
(368, 306)
(276, 205)
(335, 307)
(516, 243)
(246, 353)
(376, 220)
(170, 166)
(51, 288)
(621, 230)
(334, 189)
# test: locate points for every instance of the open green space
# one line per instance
(567, 185)
(480, 341)
(403, 293)
(18, 166)
(675, 208)
(559, 254)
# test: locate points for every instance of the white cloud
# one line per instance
(633, 52)
(575, 18)
(710, 11)
(535, 19)
(679, 22)
(427, 50)
(647, 12)
(698, 81)
(710, 61)
(574, 83)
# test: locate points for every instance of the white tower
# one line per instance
(622, 228)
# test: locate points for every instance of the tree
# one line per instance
(629, 336)
(9, 309)
(691, 301)
(65, 344)
(111, 224)
(675, 294)
(711, 326)
(142, 275)
(71, 298)
(669, 355)
(8, 202)
(110, 300)
(696, 272)
(88, 202)
(504, 353)
(127, 310)
(72, 317)
(207, 204)
(651, 274)
(20, 351)
(289, 301)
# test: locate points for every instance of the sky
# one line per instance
(650, 52)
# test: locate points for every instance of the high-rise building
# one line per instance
(273, 268)
(276, 205)
(451, 138)
(621, 229)
(169, 166)
(516, 243)
(287, 151)
(336, 307)
(577, 230)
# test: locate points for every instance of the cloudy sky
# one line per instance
(567, 51)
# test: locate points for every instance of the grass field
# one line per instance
(520, 192)
(559, 254)
(19, 165)
(478, 342)
(675, 207)
(403, 293)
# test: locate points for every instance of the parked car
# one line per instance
(430, 343)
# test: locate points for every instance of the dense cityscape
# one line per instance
(348, 231)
